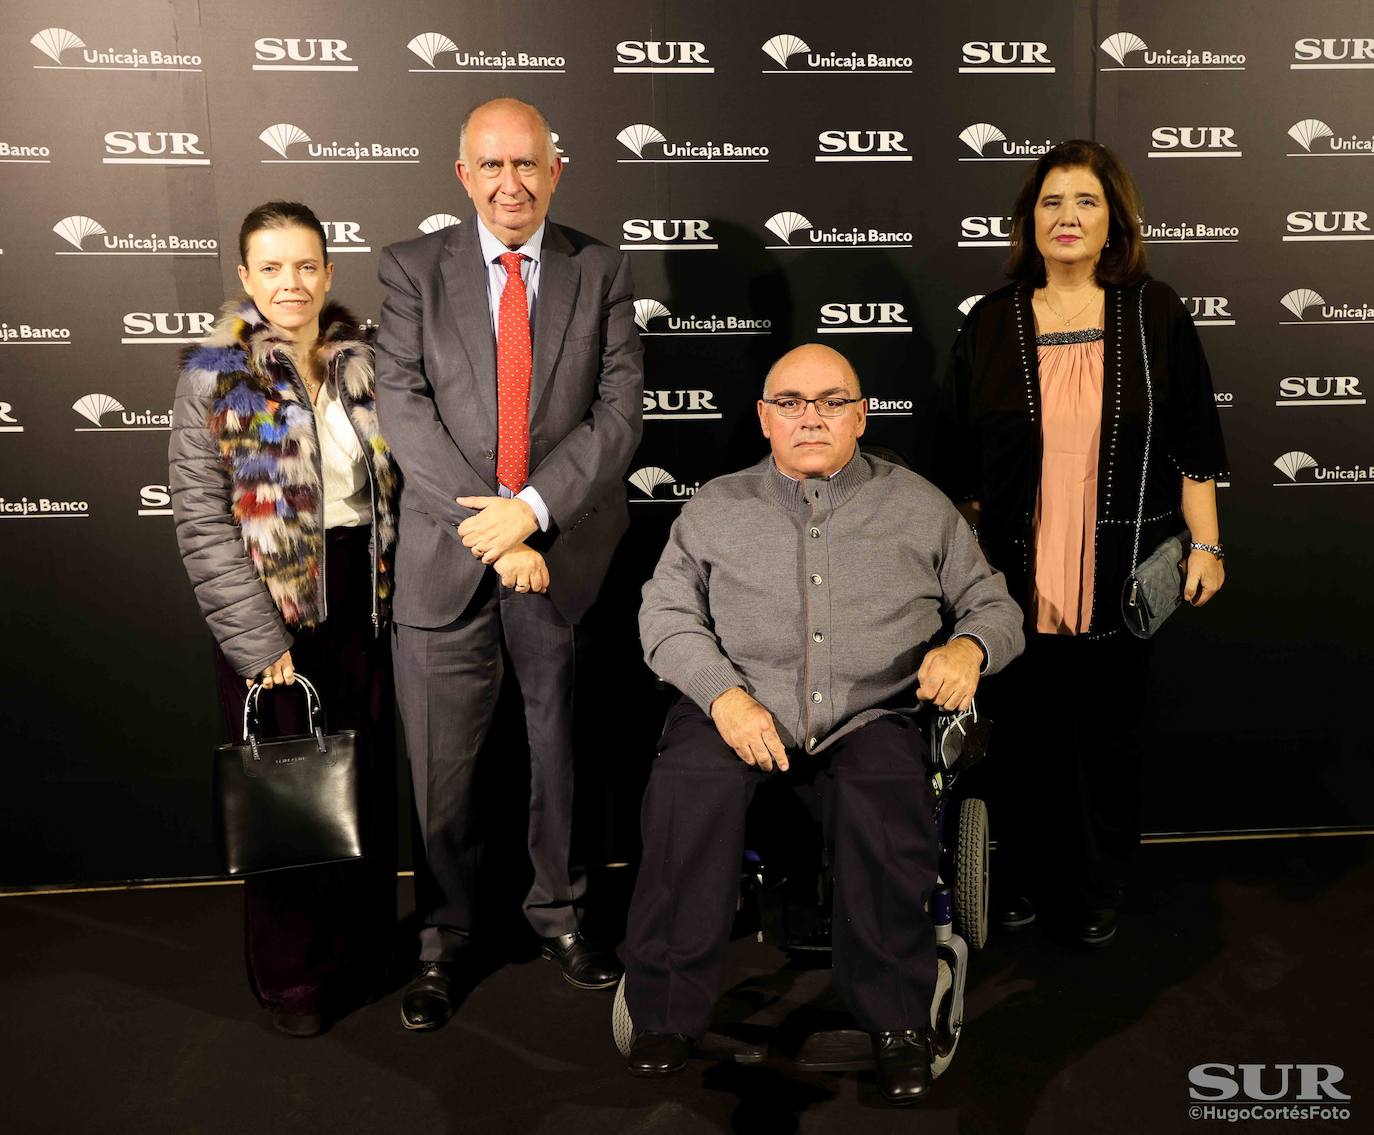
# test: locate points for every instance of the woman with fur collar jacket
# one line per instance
(284, 497)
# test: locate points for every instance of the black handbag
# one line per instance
(1154, 588)
(288, 801)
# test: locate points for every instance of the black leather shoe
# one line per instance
(1016, 913)
(583, 964)
(428, 1002)
(658, 1054)
(901, 1063)
(1098, 927)
(297, 1024)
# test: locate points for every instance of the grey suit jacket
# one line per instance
(436, 399)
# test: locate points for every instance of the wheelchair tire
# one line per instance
(622, 1027)
(971, 873)
(943, 1041)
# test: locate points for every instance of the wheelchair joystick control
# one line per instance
(942, 913)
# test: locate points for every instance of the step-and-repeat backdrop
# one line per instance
(778, 172)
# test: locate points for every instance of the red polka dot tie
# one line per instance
(514, 363)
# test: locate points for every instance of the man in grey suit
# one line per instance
(509, 386)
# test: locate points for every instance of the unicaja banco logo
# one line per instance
(56, 42)
(1131, 53)
(651, 478)
(94, 407)
(1318, 140)
(648, 312)
(76, 230)
(969, 302)
(1295, 464)
(641, 135)
(434, 48)
(787, 224)
(783, 50)
(1300, 299)
(983, 134)
(436, 221)
(280, 137)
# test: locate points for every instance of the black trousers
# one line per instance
(447, 681)
(321, 936)
(1064, 802)
(878, 823)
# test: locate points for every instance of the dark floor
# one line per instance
(128, 1012)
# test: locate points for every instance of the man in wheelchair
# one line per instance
(793, 608)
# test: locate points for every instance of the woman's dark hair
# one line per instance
(280, 215)
(1123, 259)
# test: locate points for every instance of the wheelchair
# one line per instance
(958, 908)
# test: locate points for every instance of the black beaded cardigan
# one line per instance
(991, 450)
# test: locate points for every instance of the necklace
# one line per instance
(1045, 297)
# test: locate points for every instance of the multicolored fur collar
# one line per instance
(265, 429)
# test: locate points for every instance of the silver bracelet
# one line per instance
(1215, 549)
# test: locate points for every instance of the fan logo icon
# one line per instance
(980, 135)
(55, 43)
(969, 303)
(283, 135)
(647, 481)
(1131, 53)
(436, 221)
(27, 335)
(76, 230)
(442, 56)
(1318, 140)
(783, 52)
(641, 135)
(654, 318)
(1299, 300)
(657, 235)
(94, 407)
(787, 224)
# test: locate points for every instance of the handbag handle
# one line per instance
(313, 707)
(1149, 428)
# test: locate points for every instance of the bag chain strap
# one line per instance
(1149, 431)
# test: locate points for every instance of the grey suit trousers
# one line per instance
(447, 681)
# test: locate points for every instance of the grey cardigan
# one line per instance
(819, 597)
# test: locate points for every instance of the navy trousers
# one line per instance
(877, 818)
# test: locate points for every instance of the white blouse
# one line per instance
(347, 499)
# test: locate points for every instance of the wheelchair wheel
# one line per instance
(622, 1027)
(971, 873)
(943, 1039)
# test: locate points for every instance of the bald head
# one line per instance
(813, 359)
(816, 431)
(503, 111)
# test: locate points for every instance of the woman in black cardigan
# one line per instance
(1046, 460)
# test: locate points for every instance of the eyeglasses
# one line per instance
(796, 407)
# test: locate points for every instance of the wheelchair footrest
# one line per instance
(836, 1050)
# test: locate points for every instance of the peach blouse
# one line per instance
(1071, 366)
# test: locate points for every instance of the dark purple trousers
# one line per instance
(319, 937)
